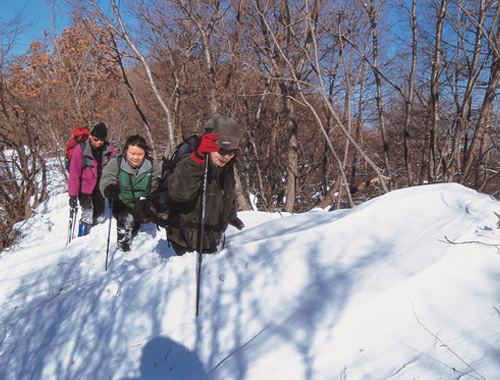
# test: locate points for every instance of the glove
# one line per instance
(73, 201)
(237, 222)
(142, 211)
(207, 145)
(112, 191)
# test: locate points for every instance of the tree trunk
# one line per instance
(411, 89)
(433, 153)
(293, 156)
(380, 109)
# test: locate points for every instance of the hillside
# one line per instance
(374, 292)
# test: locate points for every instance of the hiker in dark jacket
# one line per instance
(85, 170)
(126, 180)
(219, 145)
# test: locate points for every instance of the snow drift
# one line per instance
(374, 292)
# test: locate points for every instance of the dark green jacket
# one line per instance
(184, 187)
(135, 182)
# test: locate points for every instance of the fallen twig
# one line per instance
(444, 345)
(497, 246)
(66, 287)
(496, 309)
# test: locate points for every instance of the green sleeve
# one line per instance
(109, 174)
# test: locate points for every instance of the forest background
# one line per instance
(338, 101)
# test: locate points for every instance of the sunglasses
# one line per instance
(224, 152)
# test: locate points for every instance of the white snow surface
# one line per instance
(373, 292)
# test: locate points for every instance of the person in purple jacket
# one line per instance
(87, 162)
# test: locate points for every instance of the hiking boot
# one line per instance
(125, 247)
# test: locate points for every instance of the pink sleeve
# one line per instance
(75, 171)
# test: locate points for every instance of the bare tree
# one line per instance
(485, 116)
(323, 92)
(120, 30)
(285, 37)
(205, 15)
(23, 183)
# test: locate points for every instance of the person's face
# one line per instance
(222, 157)
(96, 142)
(135, 155)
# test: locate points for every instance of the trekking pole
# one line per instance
(110, 203)
(75, 214)
(201, 232)
(71, 228)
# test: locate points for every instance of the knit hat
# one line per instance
(227, 130)
(100, 131)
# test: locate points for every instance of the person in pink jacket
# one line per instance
(87, 162)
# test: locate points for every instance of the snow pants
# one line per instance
(126, 226)
(92, 208)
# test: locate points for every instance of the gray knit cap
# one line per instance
(226, 129)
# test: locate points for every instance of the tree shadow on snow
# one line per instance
(317, 293)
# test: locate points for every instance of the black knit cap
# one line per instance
(100, 131)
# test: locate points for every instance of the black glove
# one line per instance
(142, 211)
(73, 201)
(237, 222)
(112, 191)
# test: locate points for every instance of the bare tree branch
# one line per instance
(497, 246)
(445, 345)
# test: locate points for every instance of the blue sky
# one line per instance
(35, 12)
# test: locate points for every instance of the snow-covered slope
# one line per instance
(375, 292)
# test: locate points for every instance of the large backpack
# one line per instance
(159, 197)
(80, 135)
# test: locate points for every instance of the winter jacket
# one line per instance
(134, 182)
(185, 202)
(83, 169)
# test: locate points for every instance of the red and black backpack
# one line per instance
(80, 135)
